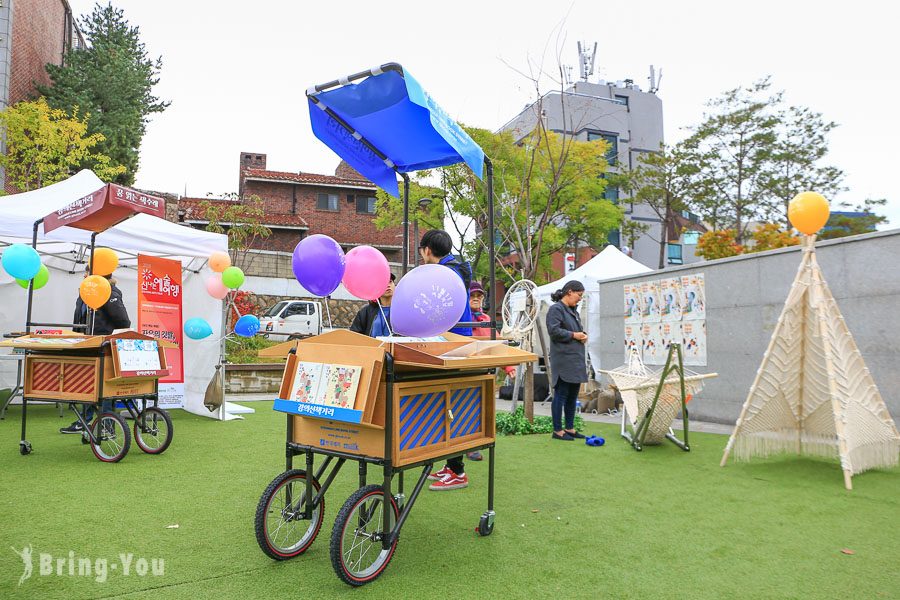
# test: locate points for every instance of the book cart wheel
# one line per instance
(153, 430)
(282, 530)
(111, 437)
(357, 553)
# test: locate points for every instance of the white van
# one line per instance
(297, 318)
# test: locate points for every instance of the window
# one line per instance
(365, 205)
(614, 238)
(691, 237)
(611, 193)
(610, 138)
(297, 308)
(327, 202)
(622, 99)
(675, 254)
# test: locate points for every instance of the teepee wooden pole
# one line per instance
(766, 356)
(843, 450)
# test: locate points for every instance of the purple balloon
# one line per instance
(428, 301)
(318, 264)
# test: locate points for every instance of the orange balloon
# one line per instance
(105, 261)
(95, 291)
(219, 261)
(808, 212)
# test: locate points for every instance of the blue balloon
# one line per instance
(197, 328)
(21, 261)
(246, 326)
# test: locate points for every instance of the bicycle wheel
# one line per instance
(112, 439)
(357, 554)
(279, 523)
(153, 430)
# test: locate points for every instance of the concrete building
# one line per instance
(631, 122)
(32, 34)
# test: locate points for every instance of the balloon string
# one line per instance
(383, 316)
(328, 312)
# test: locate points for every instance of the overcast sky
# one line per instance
(236, 72)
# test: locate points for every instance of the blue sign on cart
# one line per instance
(307, 409)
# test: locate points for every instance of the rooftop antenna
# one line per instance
(586, 60)
(654, 82)
(567, 74)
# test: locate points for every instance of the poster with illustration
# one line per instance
(693, 297)
(670, 300)
(306, 381)
(693, 335)
(632, 340)
(632, 304)
(652, 348)
(650, 302)
(669, 333)
(339, 385)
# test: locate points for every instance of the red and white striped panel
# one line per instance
(78, 379)
(45, 376)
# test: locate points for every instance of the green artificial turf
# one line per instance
(572, 521)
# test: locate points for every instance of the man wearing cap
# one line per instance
(368, 321)
(476, 305)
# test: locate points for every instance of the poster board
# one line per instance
(662, 312)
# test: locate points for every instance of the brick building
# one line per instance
(32, 34)
(341, 206)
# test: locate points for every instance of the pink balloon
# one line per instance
(366, 273)
(215, 287)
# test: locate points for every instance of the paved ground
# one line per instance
(539, 409)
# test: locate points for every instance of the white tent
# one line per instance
(145, 234)
(609, 264)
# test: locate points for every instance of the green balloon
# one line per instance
(40, 280)
(232, 278)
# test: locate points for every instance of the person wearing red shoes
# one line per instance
(435, 249)
(567, 357)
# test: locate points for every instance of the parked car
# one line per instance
(291, 319)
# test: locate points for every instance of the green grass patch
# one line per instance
(573, 521)
(515, 423)
(242, 351)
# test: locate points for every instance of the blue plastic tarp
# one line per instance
(401, 120)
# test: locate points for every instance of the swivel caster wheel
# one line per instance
(486, 524)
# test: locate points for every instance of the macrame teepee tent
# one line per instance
(813, 394)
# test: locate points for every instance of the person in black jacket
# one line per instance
(107, 318)
(567, 357)
(368, 321)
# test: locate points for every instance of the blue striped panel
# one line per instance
(466, 406)
(422, 420)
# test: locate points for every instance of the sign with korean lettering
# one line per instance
(160, 295)
(100, 210)
(138, 201)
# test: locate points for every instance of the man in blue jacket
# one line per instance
(435, 249)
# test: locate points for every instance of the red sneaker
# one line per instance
(450, 482)
(438, 475)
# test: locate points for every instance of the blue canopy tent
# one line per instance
(387, 125)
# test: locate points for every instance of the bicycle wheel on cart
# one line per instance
(282, 531)
(111, 437)
(357, 553)
(153, 430)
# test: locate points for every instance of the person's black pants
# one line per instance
(456, 465)
(565, 395)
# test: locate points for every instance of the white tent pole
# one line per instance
(837, 413)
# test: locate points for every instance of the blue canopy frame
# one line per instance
(388, 125)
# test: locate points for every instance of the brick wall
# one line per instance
(38, 38)
(345, 225)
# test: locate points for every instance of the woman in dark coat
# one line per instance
(567, 362)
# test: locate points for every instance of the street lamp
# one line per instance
(423, 205)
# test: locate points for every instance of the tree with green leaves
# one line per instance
(661, 180)
(796, 156)
(45, 145)
(241, 220)
(110, 81)
(863, 219)
(732, 151)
